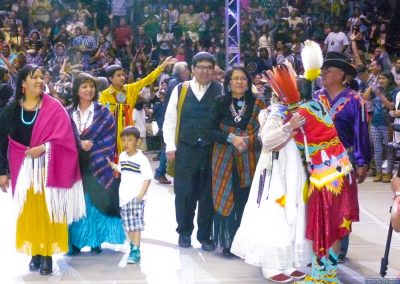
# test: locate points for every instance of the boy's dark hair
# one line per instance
(203, 56)
(130, 131)
(110, 70)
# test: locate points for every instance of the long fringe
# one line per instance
(63, 204)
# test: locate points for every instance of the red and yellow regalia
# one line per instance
(328, 197)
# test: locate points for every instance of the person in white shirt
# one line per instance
(336, 41)
(136, 175)
(139, 120)
(191, 149)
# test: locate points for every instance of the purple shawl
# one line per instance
(102, 133)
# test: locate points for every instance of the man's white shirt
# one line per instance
(171, 113)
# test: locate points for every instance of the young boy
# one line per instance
(136, 174)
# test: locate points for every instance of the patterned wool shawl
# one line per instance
(102, 133)
(226, 155)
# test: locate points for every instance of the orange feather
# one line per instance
(283, 82)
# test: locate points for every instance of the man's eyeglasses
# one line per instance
(205, 67)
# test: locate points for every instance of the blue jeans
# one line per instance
(162, 167)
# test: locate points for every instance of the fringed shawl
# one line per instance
(225, 156)
(102, 133)
(61, 179)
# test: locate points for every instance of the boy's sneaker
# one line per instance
(134, 255)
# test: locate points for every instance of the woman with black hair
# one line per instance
(42, 159)
(94, 126)
(235, 154)
(382, 97)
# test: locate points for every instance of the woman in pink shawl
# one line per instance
(37, 137)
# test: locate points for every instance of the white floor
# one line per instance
(164, 262)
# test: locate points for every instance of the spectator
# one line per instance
(7, 54)
(118, 11)
(190, 20)
(87, 44)
(57, 60)
(35, 56)
(103, 48)
(165, 40)
(356, 19)
(55, 24)
(6, 90)
(173, 16)
(395, 218)
(396, 72)
(380, 54)
(142, 41)
(123, 34)
(294, 19)
(336, 41)
(382, 96)
(73, 24)
(180, 73)
(83, 14)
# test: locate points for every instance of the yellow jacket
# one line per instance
(132, 91)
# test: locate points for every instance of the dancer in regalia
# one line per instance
(329, 213)
(272, 231)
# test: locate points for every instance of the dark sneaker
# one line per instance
(134, 255)
(162, 179)
(207, 245)
(341, 259)
(184, 241)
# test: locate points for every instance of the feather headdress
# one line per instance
(312, 59)
(282, 80)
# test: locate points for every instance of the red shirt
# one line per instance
(122, 34)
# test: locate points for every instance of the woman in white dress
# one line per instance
(272, 231)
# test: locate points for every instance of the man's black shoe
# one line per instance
(207, 245)
(47, 265)
(226, 252)
(184, 241)
(34, 264)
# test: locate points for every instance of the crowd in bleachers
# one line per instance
(67, 37)
(71, 36)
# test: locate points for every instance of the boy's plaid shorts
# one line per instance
(132, 214)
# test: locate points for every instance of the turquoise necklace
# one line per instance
(34, 117)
